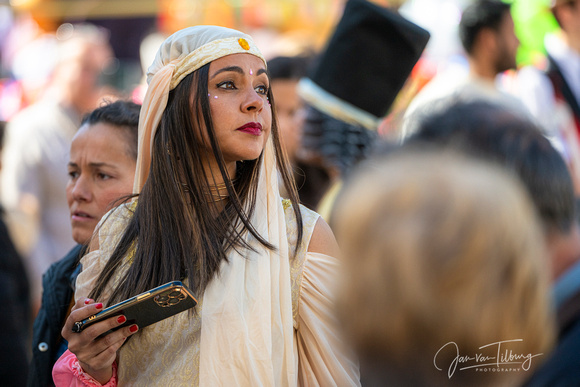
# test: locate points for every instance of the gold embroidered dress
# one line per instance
(169, 351)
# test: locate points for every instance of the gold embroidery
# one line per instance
(150, 354)
(286, 203)
(131, 254)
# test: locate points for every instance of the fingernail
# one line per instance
(99, 305)
(133, 328)
(87, 301)
(121, 319)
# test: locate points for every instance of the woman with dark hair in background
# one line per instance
(101, 170)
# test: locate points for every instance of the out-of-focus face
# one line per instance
(79, 73)
(508, 44)
(569, 16)
(242, 117)
(101, 170)
(290, 113)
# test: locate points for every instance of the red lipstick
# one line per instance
(254, 128)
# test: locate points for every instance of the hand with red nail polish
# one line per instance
(96, 352)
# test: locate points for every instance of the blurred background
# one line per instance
(29, 28)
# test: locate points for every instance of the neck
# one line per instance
(482, 69)
(216, 191)
(564, 250)
(572, 40)
(214, 174)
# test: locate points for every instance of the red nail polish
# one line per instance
(87, 301)
(99, 305)
(133, 328)
(121, 319)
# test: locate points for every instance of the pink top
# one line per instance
(68, 372)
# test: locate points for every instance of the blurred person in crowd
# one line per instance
(553, 95)
(486, 31)
(15, 307)
(285, 72)
(497, 134)
(444, 270)
(354, 83)
(37, 144)
(101, 170)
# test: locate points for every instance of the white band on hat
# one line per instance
(334, 106)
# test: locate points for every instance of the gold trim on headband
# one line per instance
(210, 52)
(334, 106)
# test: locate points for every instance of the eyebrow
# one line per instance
(236, 69)
(94, 165)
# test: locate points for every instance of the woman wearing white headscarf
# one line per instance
(208, 212)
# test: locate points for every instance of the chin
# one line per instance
(246, 156)
(81, 238)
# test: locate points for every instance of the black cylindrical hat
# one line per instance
(365, 64)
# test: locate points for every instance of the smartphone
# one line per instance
(146, 308)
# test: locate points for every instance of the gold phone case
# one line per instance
(146, 308)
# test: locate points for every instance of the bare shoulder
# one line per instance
(323, 240)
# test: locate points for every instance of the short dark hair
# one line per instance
(289, 67)
(121, 114)
(477, 16)
(494, 133)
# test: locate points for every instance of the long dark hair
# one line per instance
(177, 233)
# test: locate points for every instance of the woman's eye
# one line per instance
(103, 176)
(73, 174)
(262, 90)
(226, 85)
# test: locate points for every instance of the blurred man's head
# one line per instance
(487, 32)
(436, 247)
(567, 14)
(83, 55)
(285, 72)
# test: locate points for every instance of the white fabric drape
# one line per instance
(247, 333)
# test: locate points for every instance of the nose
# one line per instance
(253, 102)
(81, 189)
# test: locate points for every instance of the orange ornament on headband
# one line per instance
(244, 43)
